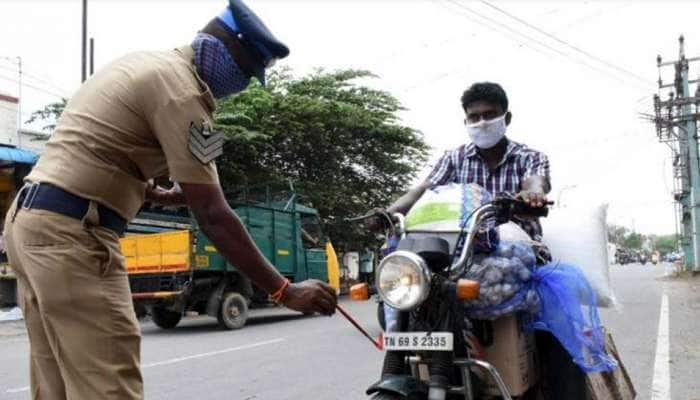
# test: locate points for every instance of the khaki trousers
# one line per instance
(74, 293)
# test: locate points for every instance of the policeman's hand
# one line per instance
(311, 296)
(166, 197)
(535, 199)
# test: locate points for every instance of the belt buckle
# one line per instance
(29, 197)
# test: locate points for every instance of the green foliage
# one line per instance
(625, 238)
(666, 244)
(633, 241)
(49, 114)
(341, 143)
(616, 234)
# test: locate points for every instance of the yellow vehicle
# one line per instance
(15, 164)
(655, 257)
(176, 268)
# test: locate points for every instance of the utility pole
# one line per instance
(19, 103)
(84, 43)
(92, 56)
(676, 125)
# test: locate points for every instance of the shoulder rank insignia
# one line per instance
(205, 144)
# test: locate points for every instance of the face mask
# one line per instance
(487, 133)
(216, 66)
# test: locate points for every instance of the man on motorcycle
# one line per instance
(491, 160)
(501, 166)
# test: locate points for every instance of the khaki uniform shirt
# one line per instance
(128, 123)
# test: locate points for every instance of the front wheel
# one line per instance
(233, 313)
(164, 318)
(381, 317)
(389, 396)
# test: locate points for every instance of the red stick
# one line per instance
(377, 343)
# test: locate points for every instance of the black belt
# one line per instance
(45, 196)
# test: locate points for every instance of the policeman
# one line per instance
(146, 115)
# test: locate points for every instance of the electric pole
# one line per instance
(84, 43)
(19, 102)
(676, 125)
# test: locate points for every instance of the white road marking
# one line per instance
(186, 358)
(661, 384)
(212, 353)
(25, 340)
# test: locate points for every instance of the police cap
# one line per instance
(241, 21)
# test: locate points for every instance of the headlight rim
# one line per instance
(423, 270)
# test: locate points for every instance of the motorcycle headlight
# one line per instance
(403, 280)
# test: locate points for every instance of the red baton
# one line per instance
(377, 343)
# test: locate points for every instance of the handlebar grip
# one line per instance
(523, 209)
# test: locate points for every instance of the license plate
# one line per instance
(418, 341)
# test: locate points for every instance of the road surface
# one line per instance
(283, 355)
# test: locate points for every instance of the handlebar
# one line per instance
(507, 207)
(502, 209)
(395, 221)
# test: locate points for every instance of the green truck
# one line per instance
(174, 268)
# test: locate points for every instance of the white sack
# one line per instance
(578, 236)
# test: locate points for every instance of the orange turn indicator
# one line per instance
(379, 344)
(359, 292)
(467, 289)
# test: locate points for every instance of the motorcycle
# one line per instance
(643, 259)
(436, 352)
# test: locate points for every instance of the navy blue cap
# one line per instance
(242, 21)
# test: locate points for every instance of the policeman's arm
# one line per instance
(221, 225)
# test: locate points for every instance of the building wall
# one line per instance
(32, 140)
(8, 119)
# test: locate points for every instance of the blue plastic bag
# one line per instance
(505, 277)
(565, 311)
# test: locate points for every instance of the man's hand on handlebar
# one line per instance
(376, 220)
(535, 199)
(375, 224)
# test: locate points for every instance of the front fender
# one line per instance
(404, 385)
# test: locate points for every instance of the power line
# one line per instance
(491, 28)
(14, 110)
(529, 38)
(29, 85)
(553, 37)
(41, 80)
(456, 70)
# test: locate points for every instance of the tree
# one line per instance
(617, 234)
(50, 114)
(666, 244)
(341, 143)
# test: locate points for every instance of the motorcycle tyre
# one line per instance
(392, 396)
(164, 318)
(380, 315)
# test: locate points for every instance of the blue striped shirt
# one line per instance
(465, 165)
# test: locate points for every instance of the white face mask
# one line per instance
(487, 133)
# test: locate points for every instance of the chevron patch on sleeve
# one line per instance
(205, 145)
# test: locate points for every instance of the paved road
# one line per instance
(282, 355)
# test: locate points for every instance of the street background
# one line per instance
(282, 355)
